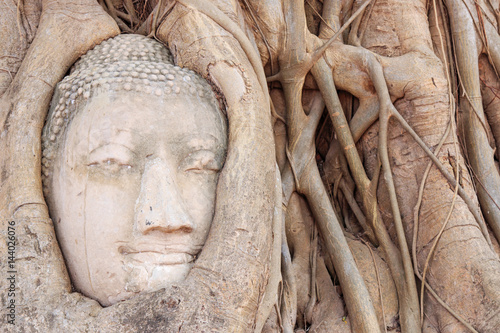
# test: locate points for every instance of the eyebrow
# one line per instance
(192, 137)
(200, 141)
(103, 144)
(119, 129)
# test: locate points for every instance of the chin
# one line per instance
(142, 279)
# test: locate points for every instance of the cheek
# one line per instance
(198, 193)
(109, 221)
(109, 209)
(67, 212)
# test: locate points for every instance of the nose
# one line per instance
(160, 207)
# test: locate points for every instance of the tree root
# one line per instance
(476, 138)
(470, 204)
(301, 129)
(308, 313)
(378, 283)
(269, 298)
(416, 210)
(209, 9)
(407, 295)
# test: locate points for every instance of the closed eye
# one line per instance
(201, 162)
(111, 158)
(110, 161)
(200, 170)
(110, 165)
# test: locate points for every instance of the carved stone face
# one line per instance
(133, 191)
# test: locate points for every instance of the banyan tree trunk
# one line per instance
(462, 254)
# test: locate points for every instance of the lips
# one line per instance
(151, 255)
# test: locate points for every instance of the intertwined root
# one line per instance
(418, 78)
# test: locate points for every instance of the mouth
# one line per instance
(156, 256)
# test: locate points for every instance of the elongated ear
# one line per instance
(66, 31)
(235, 262)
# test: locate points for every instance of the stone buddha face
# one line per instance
(131, 186)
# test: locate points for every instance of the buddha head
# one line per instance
(132, 149)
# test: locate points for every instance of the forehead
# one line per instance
(130, 116)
